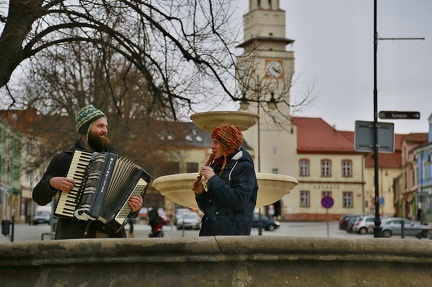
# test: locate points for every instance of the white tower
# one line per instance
(264, 73)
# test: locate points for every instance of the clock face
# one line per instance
(274, 69)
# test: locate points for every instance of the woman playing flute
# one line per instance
(228, 198)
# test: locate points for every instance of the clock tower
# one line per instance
(264, 73)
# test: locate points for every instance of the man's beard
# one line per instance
(98, 143)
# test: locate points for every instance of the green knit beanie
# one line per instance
(86, 117)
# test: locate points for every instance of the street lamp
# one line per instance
(272, 105)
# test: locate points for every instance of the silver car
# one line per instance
(393, 226)
(364, 224)
(189, 220)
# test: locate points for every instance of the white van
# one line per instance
(42, 215)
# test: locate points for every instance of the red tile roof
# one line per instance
(314, 135)
(419, 138)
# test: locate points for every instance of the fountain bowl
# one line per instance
(208, 121)
(177, 188)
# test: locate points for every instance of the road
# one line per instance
(26, 233)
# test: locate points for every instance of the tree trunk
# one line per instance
(21, 15)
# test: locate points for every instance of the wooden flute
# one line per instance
(209, 161)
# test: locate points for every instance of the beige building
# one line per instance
(327, 165)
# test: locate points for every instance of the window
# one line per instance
(169, 167)
(29, 176)
(30, 148)
(304, 167)
(304, 199)
(346, 168)
(326, 193)
(413, 177)
(275, 170)
(325, 167)
(347, 199)
(192, 167)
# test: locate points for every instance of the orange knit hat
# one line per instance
(230, 136)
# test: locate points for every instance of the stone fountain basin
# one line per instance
(177, 188)
(208, 121)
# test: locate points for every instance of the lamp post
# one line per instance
(378, 228)
(272, 106)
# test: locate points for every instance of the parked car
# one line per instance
(179, 212)
(350, 222)
(42, 217)
(364, 224)
(393, 226)
(344, 220)
(189, 220)
(267, 223)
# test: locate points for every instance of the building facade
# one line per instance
(10, 169)
(422, 156)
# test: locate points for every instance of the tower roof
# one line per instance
(285, 41)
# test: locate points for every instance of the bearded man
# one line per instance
(92, 126)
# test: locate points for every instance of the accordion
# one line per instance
(104, 182)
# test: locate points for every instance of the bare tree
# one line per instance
(65, 82)
(180, 48)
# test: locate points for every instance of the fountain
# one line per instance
(177, 187)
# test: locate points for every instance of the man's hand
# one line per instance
(62, 183)
(135, 203)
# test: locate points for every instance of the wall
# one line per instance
(218, 261)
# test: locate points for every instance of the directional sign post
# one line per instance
(398, 115)
(327, 202)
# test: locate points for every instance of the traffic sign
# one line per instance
(364, 136)
(398, 115)
(327, 202)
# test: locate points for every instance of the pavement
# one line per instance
(26, 233)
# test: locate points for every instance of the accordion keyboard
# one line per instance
(125, 210)
(67, 201)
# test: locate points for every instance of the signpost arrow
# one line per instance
(398, 115)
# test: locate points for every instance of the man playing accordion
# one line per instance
(92, 126)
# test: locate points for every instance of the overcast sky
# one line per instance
(334, 51)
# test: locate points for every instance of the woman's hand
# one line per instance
(207, 172)
(197, 186)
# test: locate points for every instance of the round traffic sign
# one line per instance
(327, 201)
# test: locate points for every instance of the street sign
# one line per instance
(327, 202)
(398, 115)
(364, 137)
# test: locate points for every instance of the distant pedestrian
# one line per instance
(131, 228)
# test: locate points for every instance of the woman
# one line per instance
(228, 198)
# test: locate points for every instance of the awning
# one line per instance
(13, 191)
